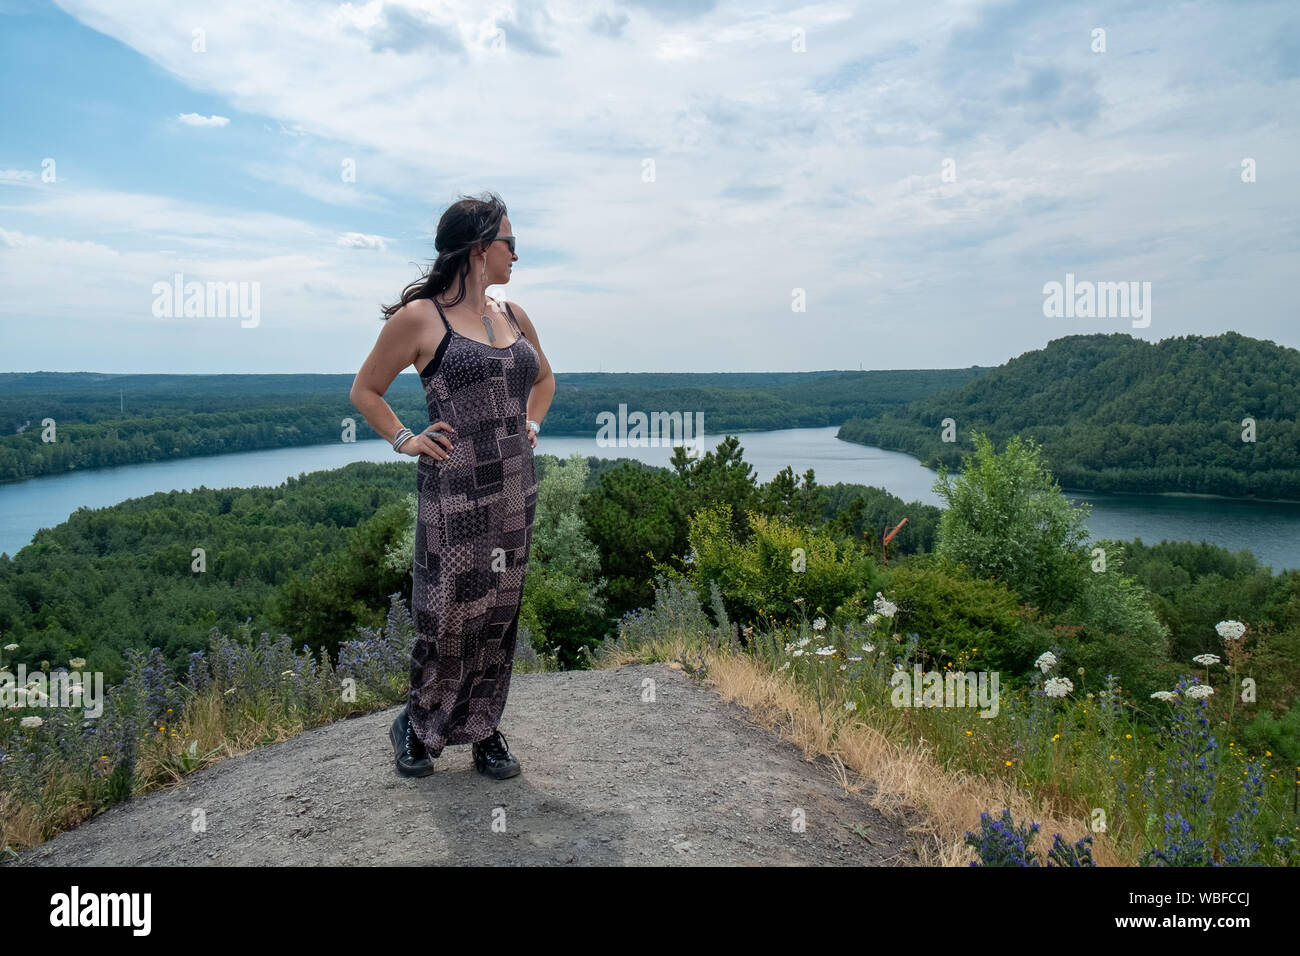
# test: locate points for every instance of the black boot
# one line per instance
(492, 757)
(413, 758)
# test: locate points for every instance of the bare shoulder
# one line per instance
(417, 311)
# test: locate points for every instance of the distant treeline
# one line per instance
(1118, 414)
(105, 420)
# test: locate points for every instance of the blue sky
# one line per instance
(795, 147)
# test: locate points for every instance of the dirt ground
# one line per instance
(608, 779)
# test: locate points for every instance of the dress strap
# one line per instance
(513, 320)
(440, 312)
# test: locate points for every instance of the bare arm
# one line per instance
(397, 347)
(539, 399)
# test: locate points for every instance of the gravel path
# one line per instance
(607, 780)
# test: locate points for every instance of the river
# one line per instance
(1270, 530)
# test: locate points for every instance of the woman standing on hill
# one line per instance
(488, 386)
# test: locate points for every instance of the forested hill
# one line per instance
(102, 420)
(1114, 413)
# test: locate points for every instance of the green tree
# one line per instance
(718, 477)
(562, 591)
(1007, 519)
(634, 517)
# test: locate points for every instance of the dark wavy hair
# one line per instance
(468, 225)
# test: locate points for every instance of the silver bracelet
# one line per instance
(401, 437)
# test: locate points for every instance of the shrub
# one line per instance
(953, 613)
(779, 562)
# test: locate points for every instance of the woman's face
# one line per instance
(499, 257)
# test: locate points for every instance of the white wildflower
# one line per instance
(850, 705)
(798, 600)
(30, 723)
(1046, 661)
(1165, 695)
(1057, 686)
(1230, 630)
(798, 653)
(1206, 659)
(825, 651)
(872, 619)
(1197, 691)
(784, 666)
(819, 624)
(868, 647)
(855, 658)
(803, 642)
(883, 606)
(77, 663)
(11, 647)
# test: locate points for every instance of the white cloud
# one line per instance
(357, 240)
(195, 119)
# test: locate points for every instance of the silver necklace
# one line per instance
(487, 326)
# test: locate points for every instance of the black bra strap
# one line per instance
(440, 312)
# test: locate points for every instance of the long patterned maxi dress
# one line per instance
(473, 533)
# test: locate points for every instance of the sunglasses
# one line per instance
(508, 240)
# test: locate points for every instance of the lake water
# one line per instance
(1270, 530)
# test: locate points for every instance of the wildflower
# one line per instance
(1206, 659)
(1165, 695)
(868, 647)
(825, 651)
(30, 723)
(1230, 630)
(784, 666)
(970, 733)
(1197, 691)
(850, 705)
(1008, 763)
(1057, 686)
(798, 653)
(798, 600)
(883, 606)
(77, 663)
(1046, 661)
(803, 642)
(819, 623)
(1055, 737)
(872, 619)
(855, 658)
(11, 647)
